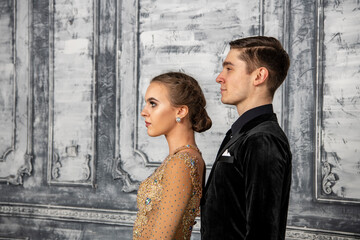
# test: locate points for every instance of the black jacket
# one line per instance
(247, 192)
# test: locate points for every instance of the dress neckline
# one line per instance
(188, 146)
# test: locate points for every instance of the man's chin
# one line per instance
(224, 101)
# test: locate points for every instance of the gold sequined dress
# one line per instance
(168, 201)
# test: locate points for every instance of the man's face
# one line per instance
(235, 81)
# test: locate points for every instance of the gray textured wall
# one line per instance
(73, 74)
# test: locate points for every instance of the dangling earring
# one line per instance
(178, 119)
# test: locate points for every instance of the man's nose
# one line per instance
(220, 78)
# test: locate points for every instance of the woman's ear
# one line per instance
(261, 76)
(182, 111)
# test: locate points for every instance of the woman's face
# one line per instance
(159, 114)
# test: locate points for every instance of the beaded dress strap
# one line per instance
(187, 147)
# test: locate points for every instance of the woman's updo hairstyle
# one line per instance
(185, 90)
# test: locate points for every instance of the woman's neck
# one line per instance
(180, 138)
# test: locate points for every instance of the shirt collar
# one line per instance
(250, 115)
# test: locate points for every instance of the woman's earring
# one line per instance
(178, 119)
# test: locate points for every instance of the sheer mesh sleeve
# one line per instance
(166, 215)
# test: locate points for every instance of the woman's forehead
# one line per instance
(157, 90)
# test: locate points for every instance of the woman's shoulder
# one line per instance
(187, 158)
(187, 154)
(190, 162)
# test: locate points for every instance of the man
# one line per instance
(247, 192)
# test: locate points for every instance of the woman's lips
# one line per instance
(147, 124)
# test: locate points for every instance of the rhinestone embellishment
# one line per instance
(150, 193)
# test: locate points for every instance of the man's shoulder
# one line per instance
(267, 130)
(266, 127)
(264, 131)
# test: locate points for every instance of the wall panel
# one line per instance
(338, 103)
(304, 124)
(72, 106)
(15, 93)
(160, 37)
(67, 184)
(8, 86)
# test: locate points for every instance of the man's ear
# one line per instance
(261, 76)
(182, 111)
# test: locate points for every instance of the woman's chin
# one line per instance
(152, 134)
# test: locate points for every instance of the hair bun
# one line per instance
(202, 121)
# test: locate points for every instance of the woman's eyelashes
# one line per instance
(153, 104)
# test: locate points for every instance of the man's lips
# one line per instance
(147, 124)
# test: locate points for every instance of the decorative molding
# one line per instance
(54, 159)
(133, 36)
(87, 167)
(14, 58)
(127, 218)
(64, 213)
(14, 238)
(128, 184)
(325, 177)
(19, 72)
(127, 39)
(56, 170)
(7, 152)
(329, 179)
(29, 151)
(319, 92)
(286, 42)
(127, 27)
(298, 233)
(24, 169)
(261, 17)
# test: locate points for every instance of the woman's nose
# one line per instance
(143, 112)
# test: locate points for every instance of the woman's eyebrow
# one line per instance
(151, 99)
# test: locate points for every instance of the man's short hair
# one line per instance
(261, 51)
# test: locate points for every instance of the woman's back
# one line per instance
(168, 201)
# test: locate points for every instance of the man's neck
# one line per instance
(246, 106)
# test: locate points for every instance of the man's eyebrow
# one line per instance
(151, 99)
(226, 63)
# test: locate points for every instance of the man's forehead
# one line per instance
(232, 57)
(235, 52)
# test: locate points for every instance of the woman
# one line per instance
(168, 201)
